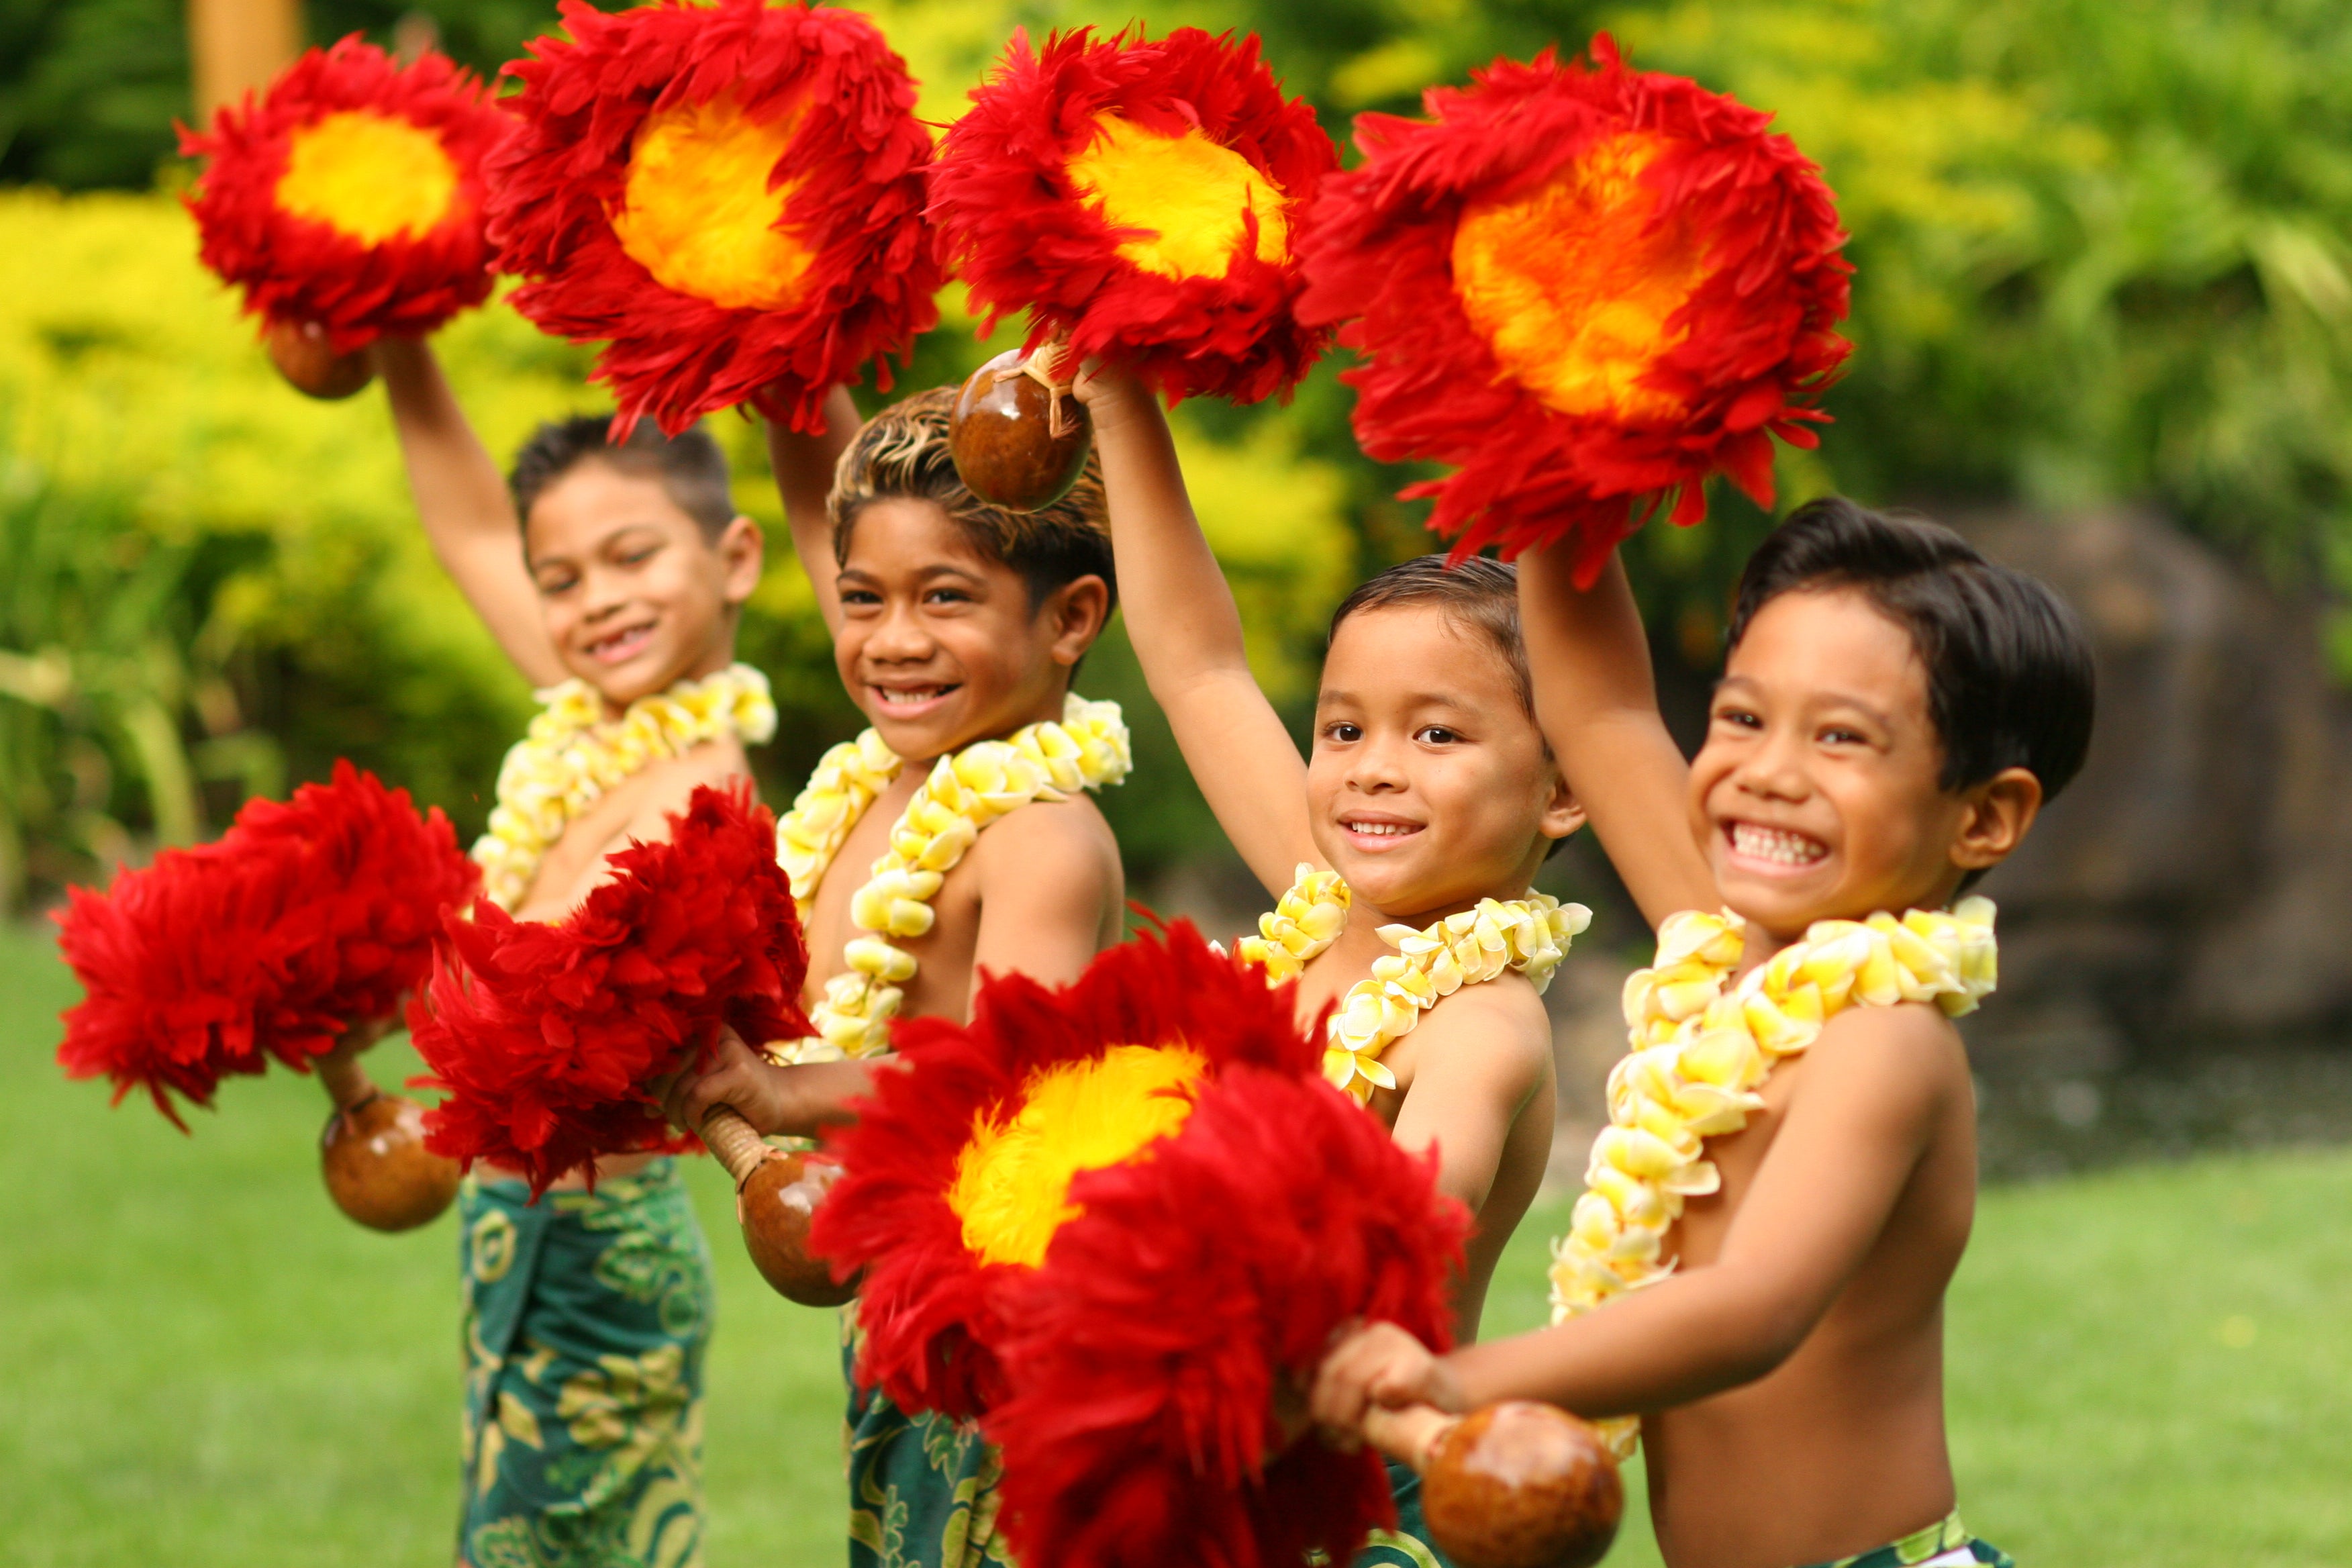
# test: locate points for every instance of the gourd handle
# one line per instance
(776, 1197)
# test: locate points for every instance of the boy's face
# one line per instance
(636, 598)
(1428, 788)
(1818, 793)
(939, 644)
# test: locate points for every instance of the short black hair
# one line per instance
(903, 451)
(1477, 593)
(2010, 678)
(689, 465)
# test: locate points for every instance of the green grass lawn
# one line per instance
(202, 1363)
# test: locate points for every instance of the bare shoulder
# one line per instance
(1498, 1027)
(1909, 1050)
(668, 784)
(1066, 838)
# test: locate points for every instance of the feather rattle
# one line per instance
(1588, 289)
(1118, 1223)
(346, 202)
(550, 1040)
(1137, 197)
(728, 196)
(292, 938)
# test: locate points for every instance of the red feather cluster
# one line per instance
(546, 1037)
(930, 1306)
(301, 920)
(857, 158)
(298, 269)
(1144, 1354)
(1023, 236)
(1757, 345)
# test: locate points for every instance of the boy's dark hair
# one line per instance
(2009, 681)
(1479, 595)
(691, 467)
(903, 451)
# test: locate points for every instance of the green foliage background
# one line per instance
(2104, 252)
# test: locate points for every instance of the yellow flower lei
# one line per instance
(964, 794)
(1530, 935)
(1699, 1052)
(572, 755)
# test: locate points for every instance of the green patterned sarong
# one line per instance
(1408, 1545)
(922, 1488)
(1944, 1544)
(586, 1320)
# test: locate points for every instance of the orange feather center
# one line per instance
(367, 176)
(703, 205)
(1573, 284)
(1013, 1177)
(1192, 196)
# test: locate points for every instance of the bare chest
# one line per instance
(1697, 1237)
(584, 844)
(943, 955)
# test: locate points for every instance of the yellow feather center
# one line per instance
(1013, 1179)
(370, 178)
(702, 205)
(1571, 287)
(1190, 192)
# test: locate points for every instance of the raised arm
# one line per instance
(803, 466)
(1598, 704)
(462, 499)
(1187, 634)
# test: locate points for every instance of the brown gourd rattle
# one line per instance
(1512, 1485)
(776, 1197)
(1018, 438)
(372, 1152)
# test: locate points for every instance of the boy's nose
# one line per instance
(1774, 769)
(899, 637)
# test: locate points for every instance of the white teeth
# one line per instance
(1775, 845)
(913, 693)
(1380, 829)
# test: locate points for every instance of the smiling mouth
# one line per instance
(1774, 845)
(1361, 828)
(614, 647)
(912, 698)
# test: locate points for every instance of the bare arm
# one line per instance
(463, 502)
(803, 466)
(1050, 884)
(1188, 637)
(1598, 704)
(1817, 1207)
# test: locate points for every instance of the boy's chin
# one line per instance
(640, 677)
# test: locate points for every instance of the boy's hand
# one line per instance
(1109, 392)
(740, 1078)
(1377, 1364)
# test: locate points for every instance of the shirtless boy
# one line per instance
(1895, 712)
(1429, 789)
(616, 576)
(953, 622)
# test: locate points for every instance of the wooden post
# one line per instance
(237, 45)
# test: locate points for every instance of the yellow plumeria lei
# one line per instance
(965, 792)
(572, 755)
(1700, 1050)
(1530, 935)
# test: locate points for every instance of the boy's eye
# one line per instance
(1839, 735)
(860, 596)
(947, 596)
(639, 557)
(1740, 717)
(1343, 732)
(556, 584)
(1436, 735)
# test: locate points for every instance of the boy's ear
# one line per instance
(1562, 814)
(743, 551)
(1997, 817)
(1076, 612)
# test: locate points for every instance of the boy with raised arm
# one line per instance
(1426, 807)
(1757, 1269)
(614, 576)
(961, 822)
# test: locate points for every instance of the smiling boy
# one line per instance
(614, 577)
(1794, 1133)
(1428, 794)
(957, 629)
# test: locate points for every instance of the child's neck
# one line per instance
(720, 656)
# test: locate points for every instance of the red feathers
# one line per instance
(1588, 288)
(1143, 1356)
(350, 194)
(930, 1302)
(1129, 1373)
(303, 919)
(1075, 162)
(766, 158)
(546, 1036)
